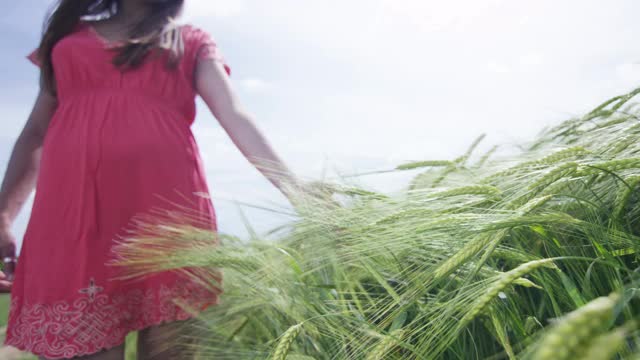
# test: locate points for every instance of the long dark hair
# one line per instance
(155, 31)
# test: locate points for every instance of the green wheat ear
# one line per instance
(610, 166)
(576, 329)
(485, 190)
(623, 196)
(388, 342)
(503, 281)
(604, 347)
(285, 342)
(299, 357)
(461, 256)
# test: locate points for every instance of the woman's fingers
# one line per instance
(9, 267)
(5, 286)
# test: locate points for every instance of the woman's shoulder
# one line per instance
(189, 28)
(81, 31)
(194, 35)
(68, 41)
(200, 44)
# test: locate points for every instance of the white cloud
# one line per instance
(496, 67)
(532, 59)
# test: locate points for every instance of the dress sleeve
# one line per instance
(207, 48)
(33, 57)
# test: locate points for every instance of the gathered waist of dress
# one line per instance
(67, 95)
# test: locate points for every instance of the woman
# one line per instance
(109, 139)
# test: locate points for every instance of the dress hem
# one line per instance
(20, 346)
(93, 324)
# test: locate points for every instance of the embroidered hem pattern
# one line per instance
(95, 321)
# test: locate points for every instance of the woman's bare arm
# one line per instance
(213, 85)
(20, 179)
(22, 170)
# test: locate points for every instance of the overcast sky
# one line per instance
(353, 86)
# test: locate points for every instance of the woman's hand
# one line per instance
(294, 188)
(8, 258)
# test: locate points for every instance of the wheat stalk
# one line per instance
(427, 163)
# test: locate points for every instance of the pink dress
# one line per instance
(119, 146)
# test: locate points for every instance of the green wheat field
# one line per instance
(527, 254)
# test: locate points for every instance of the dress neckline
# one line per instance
(96, 34)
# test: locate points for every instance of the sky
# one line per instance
(342, 87)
